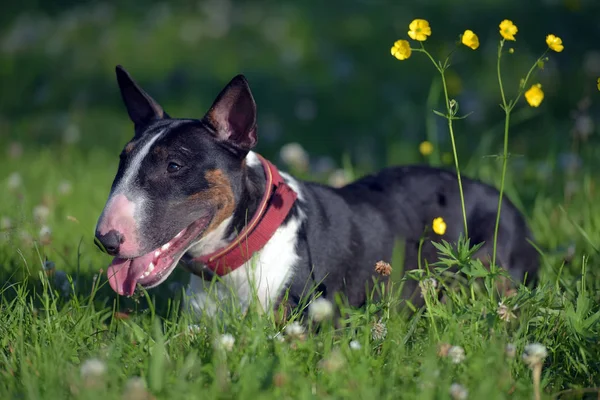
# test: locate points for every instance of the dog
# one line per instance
(193, 190)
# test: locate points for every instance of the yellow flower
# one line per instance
(555, 43)
(470, 39)
(508, 30)
(426, 148)
(535, 95)
(419, 30)
(439, 226)
(401, 49)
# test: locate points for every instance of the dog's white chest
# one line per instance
(263, 278)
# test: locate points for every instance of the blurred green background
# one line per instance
(321, 72)
(322, 76)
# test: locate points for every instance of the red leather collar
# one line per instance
(275, 205)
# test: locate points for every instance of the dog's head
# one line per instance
(177, 181)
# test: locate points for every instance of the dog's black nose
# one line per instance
(109, 242)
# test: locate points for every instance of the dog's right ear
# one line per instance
(142, 108)
(233, 115)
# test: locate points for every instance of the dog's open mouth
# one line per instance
(153, 268)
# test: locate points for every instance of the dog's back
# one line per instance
(351, 228)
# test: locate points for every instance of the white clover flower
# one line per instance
(534, 354)
(41, 213)
(45, 233)
(92, 368)
(14, 181)
(194, 329)
(378, 331)
(505, 313)
(355, 345)
(295, 330)
(294, 155)
(320, 310)
(226, 342)
(456, 354)
(278, 337)
(428, 285)
(458, 392)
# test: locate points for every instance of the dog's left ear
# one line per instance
(233, 115)
(142, 108)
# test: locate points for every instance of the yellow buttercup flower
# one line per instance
(508, 30)
(439, 226)
(401, 49)
(535, 95)
(426, 148)
(554, 43)
(470, 39)
(419, 30)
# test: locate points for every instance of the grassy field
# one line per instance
(65, 334)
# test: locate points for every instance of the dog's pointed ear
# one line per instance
(233, 115)
(141, 108)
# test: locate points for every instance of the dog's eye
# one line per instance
(173, 167)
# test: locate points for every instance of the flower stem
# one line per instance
(507, 107)
(449, 116)
(537, 378)
(426, 291)
(456, 166)
(507, 111)
(502, 180)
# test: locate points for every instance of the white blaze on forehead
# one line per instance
(136, 163)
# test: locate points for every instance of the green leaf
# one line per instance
(440, 114)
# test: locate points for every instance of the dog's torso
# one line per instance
(333, 237)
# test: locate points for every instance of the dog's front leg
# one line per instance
(204, 297)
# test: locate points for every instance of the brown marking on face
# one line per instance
(219, 194)
(130, 146)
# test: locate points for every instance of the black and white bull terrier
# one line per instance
(193, 190)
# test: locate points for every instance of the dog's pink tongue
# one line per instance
(124, 273)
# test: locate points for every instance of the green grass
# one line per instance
(48, 331)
